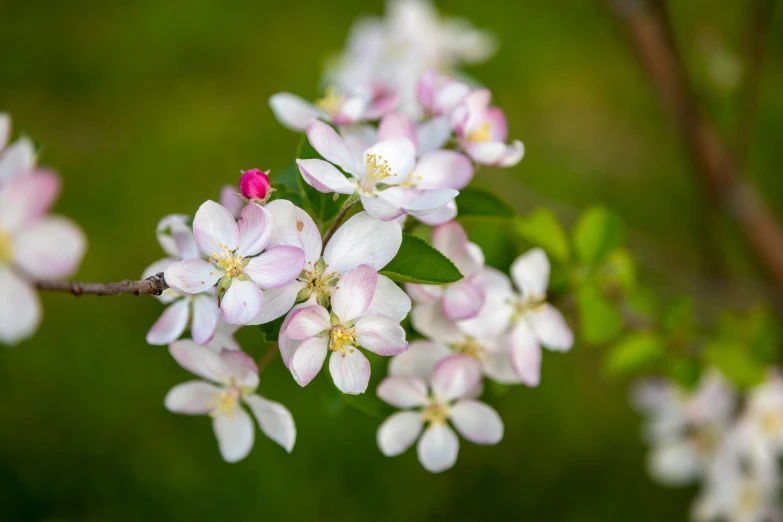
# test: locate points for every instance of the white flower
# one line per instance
(231, 380)
(764, 415)
(15, 159)
(452, 382)
(482, 131)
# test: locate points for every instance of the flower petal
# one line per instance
(443, 215)
(277, 302)
(389, 300)
(396, 126)
(354, 292)
(452, 241)
(495, 317)
(215, 229)
(224, 338)
(381, 209)
(398, 155)
(308, 322)
(380, 335)
(206, 316)
(499, 367)
(496, 153)
(52, 247)
(294, 227)
(275, 420)
(17, 158)
(424, 294)
(191, 398)
(443, 169)
(241, 302)
(201, 361)
(477, 422)
(462, 300)
(235, 435)
(497, 124)
(403, 392)
(530, 273)
(308, 359)
(230, 199)
(192, 276)
(551, 328)
(428, 320)
(255, 227)
(455, 377)
(293, 111)
(438, 448)
(171, 323)
(399, 432)
(418, 201)
(419, 360)
(276, 267)
(350, 371)
(330, 146)
(433, 134)
(20, 308)
(176, 237)
(324, 177)
(363, 240)
(24, 199)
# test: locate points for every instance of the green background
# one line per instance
(148, 108)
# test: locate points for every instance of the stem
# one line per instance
(336, 224)
(153, 285)
(270, 354)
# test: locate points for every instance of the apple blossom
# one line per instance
(234, 262)
(16, 158)
(452, 383)
(255, 185)
(231, 378)
(764, 415)
(482, 131)
(341, 332)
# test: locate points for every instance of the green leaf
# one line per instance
(600, 320)
(286, 179)
(596, 234)
(479, 203)
(685, 371)
(418, 262)
(542, 228)
(736, 362)
(636, 352)
(321, 207)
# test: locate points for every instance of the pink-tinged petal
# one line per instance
(201, 361)
(242, 367)
(363, 240)
(419, 360)
(206, 316)
(354, 293)
(330, 146)
(192, 276)
(477, 422)
(425, 88)
(381, 335)
(498, 367)
(351, 109)
(433, 134)
(191, 398)
(359, 138)
(438, 448)
(293, 111)
(171, 323)
(275, 420)
(428, 320)
(308, 359)
(452, 241)
(215, 229)
(551, 328)
(449, 95)
(497, 124)
(294, 227)
(235, 434)
(403, 392)
(324, 177)
(396, 126)
(350, 371)
(277, 302)
(380, 209)
(514, 154)
(389, 300)
(424, 294)
(398, 155)
(530, 272)
(308, 322)
(176, 237)
(381, 105)
(276, 267)
(455, 377)
(418, 201)
(241, 302)
(496, 153)
(230, 200)
(20, 308)
(462, 300)
(525, 353)
(443, 169)
(24, 199)
(224, 338)
(18, 158)
(495, 317)
(476, 104)
(53, 247)
(444, 214)
(5, 129)
(399, 432)
(255, 227)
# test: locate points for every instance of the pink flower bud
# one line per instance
(254, 184)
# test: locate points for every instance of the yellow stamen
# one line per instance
(331, 101)
(481, 134)
(378, 168)
(772, 422)
(228, 261)
(435, 413)
(225, 402)
(6, 247)
(342, 339)
(470, 347)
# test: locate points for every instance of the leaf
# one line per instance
(601, 321)
(685, 371)
(418, 262)
(542, 228)
(286, 179)
(597, 233)
(736, 362)
(634, 353)
(270, 331)
(619, 270)
(495, 240)
(322, 207)
(479, 203)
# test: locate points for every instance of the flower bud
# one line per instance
(254, 184)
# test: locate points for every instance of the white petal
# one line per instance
(275, 420)
(324, 177)
(419, 360)
(24, 199)
(230, 200)
(308, 359)
(433, 134)
(399, 432)
(443, 215)
(455, 377)
(241, 302)
(354, 292)
(462, 300)
(294, 227)
(477, 422)
(51, 248)
(171, 323)
(201, 361)
(443, 169)
(20, 308)
(277, 302)
(330, 146)
(5, 129)
(424, 294)
(380, 209)
(224, 338)
(381, 335)
(396, 126)
(363, 240)
(674, 464)
(215, 229)
(18, 158)
(389, 300)
(206, 316)
(176, 237)
(525, 353)
(428, 320)
(276, 267)
(308, 322)
(293, 111)
(452, 241)
(235, 435)
(398, 155)
(438, 448)
(530, 272)
(418, 201)
(498, 367)
(403, 392)
(192, 276)
(255, 227)
(551, 328)
(191, 398)
(350, 371)
(496, 153)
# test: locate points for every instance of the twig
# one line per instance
(153, 285)
(336, 223)
(647, 27)
(270, 354)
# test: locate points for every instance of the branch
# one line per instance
(153, 285)
(648, 30)
(336, 223)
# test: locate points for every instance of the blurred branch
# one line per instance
(647, 26)
(153, 285)
(264, 361)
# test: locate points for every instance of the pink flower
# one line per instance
(231, 199)
(231, 378)
(234, 262)
(254, 184)
(17, 158)
(342, 332)
(482, 131)
(452, 383)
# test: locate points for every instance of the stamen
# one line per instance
(342, 339)
(331, 101)
(6, 247)
(470, 347)
(482, 134)
(435, 413)
(225, 402)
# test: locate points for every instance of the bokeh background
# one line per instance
(148, 107)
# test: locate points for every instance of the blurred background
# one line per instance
(148, 108)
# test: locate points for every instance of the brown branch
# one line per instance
(648, 30)
(336, 224)
(270, 354)
(153, 285)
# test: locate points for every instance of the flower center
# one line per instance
(411, 181)
(481, 134)
(229, 261)
(225, 402)
(318, 282)
(6, 248)
(377, 170)
(435, 413)
(331, 101)
(342, 339)
(771, 422)
(470, 347)
(531, 303)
